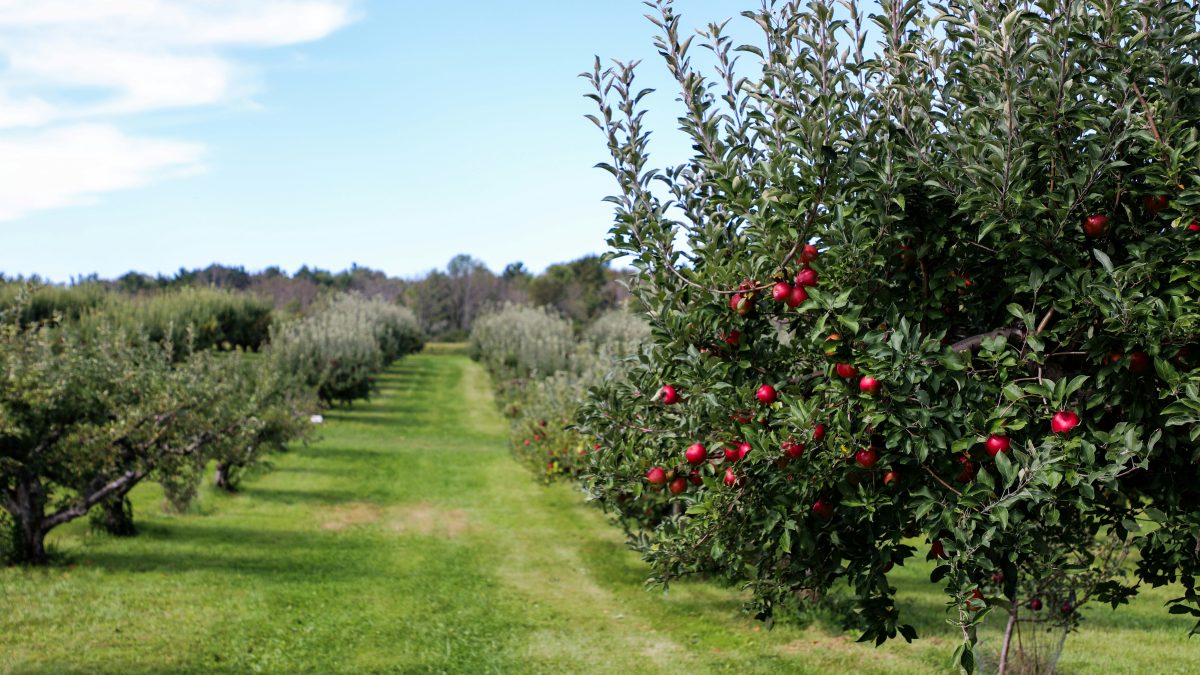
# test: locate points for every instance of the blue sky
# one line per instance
(157, 134)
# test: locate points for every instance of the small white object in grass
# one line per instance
(317, 419)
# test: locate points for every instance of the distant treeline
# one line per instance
(445, 301)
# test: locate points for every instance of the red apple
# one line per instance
(743, 304)
(1156, 203)
(818, 433)
(1067, 607)
(891, 477)
(869, 385)
(696, 453)
(846, 370)
(732, 338)
(731, 478)
(997, 577)
(766, 394)
(797, 297)
(736, 454)
(808, 253)
(782, 291)
(937, 550)
(1095, 225)
(1194, 227)
(696, 478)
(969, 470)
(1139, 362)
(793, 450)
(822, 510)
(656, 476)
(669, 395)
(678, 485)
(807, 277)
(1035, 604)
(866, 458)
(1064, 421)
(997, 444)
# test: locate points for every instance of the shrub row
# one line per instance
(540, 370)
(339, 350)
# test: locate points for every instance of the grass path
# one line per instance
(407, 540)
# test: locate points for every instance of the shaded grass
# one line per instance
(407, 540)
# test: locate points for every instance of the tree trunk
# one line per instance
(223, 479)
(115, 516)
(27, 504)
(1008, 636)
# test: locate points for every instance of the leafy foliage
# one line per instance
(939, 203)
(518, 341)
(540, 370)
(339, 350)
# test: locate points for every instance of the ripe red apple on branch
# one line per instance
(846, 370)
(869, 385)
(696, 454)
(1139, 362)
(807, 277)
(668, 395)
(1095, 225)
(866, 458)
(997, 444)
(656, 476)
(797, 297)
(766, 394)
(1064, 421)
(818, 433)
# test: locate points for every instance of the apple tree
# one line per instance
(931, 276)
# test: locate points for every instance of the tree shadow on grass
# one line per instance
(185, 548)
(285, 496)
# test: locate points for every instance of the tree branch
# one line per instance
(1149, 116)
(972, 343)
(939, 479)
(127, 479)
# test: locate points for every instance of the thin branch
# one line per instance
(1149, 116)
(1044, 322)
(939, 479)
(975, 341)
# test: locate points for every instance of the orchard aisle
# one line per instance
(407, 540)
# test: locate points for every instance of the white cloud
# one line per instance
(72, 71)
(69, 166)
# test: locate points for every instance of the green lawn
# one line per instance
(407, 540)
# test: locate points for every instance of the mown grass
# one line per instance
(407, 540)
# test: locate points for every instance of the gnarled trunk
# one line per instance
(115, 516)
(27, 505)
(224, 477)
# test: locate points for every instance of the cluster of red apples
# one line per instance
(793, 295)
